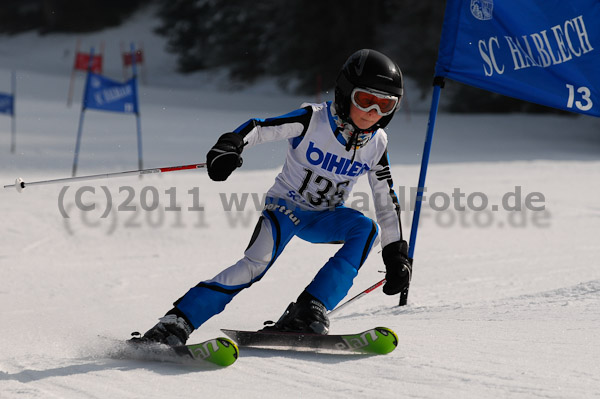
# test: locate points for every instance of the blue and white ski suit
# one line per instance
(307, 201)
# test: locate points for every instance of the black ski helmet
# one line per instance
(367, 69)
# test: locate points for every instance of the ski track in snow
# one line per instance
(501, 304)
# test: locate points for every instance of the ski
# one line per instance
(219, 351)
(375, 341)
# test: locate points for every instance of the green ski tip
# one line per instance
(220, 351)
(377, 341)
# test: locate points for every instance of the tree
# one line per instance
(63, 15)
(301, 41)
(413, 36)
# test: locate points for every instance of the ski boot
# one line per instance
(171, 330)
(306, 315)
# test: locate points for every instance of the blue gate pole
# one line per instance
(80, 128)
(78, 143)
(438, 84)
(13, 136)
(137, 110)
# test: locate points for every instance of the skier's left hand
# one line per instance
(398, 267)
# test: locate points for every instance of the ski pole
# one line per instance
(20, 184)
(365, 292)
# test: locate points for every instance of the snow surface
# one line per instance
(502, 304)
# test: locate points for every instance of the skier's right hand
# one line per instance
(225, 156)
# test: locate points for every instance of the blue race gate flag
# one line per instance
(108, 95)
(544, 51)
(7, 104)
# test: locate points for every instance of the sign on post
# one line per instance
(546, 52)
(104, 94)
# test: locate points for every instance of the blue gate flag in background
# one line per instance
(546, 52)
(106, 94)
(103, 94)
(7, 104)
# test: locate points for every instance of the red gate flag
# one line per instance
(139, 58)
(82, 62)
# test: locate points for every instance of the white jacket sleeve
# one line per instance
(387, 207)
(257, 131)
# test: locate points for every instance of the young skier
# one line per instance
(330, 146)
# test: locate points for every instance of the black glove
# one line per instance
(398, 267)
(225, 157)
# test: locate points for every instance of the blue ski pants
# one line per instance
(279, 222)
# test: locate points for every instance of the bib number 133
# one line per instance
(326, 192)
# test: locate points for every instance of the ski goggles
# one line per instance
(366, 100)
